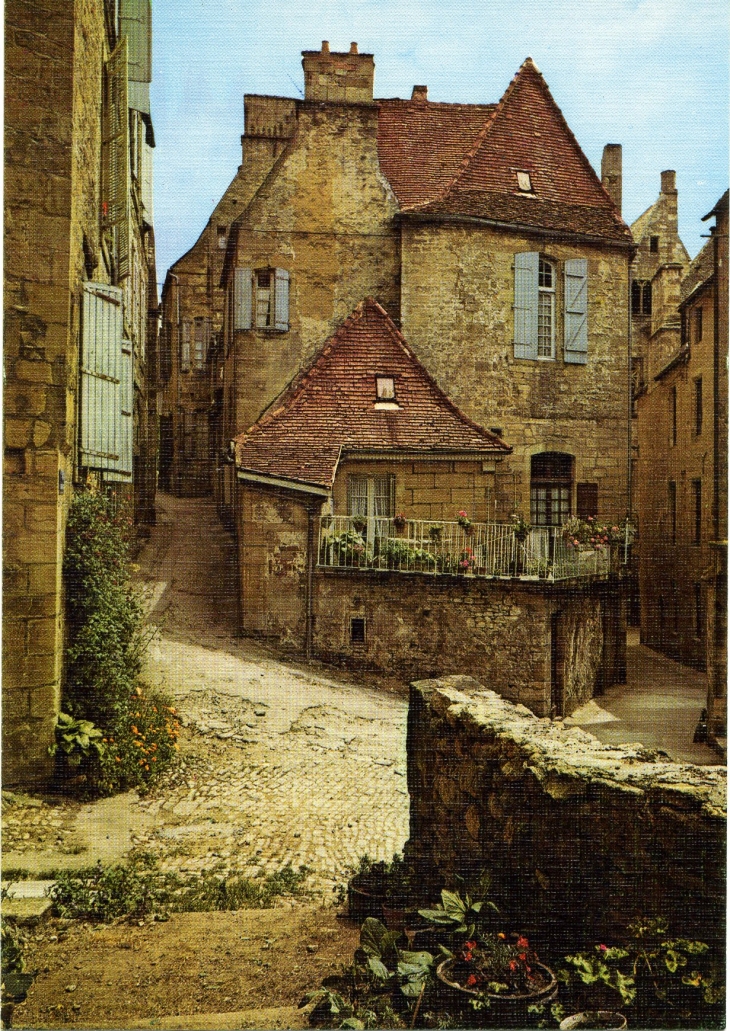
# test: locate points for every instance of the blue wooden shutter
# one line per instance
(281, 300)
(525, 303)
(101, 375)
(242, 298)
(576, 311)
(123, 469)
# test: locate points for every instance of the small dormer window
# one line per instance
(385, 388)
(524, 182)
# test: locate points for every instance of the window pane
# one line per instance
(545, 325)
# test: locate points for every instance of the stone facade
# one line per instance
(579, 837)
(549, 646)
(55, 57)
(678, 418)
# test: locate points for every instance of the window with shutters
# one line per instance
(537, 309)
(551, 486)
(107, 385)
(261, 299)
(202, 338)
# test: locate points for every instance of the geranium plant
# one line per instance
(463, 520)
(495, 964)
(520, 527)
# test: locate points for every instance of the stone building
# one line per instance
(80, 319)
(372, 526)
(682, 494)
(484, 233)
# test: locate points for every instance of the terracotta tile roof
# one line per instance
(329, 408)
(421, 144)
(527, 132)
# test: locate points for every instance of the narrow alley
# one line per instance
(296, 762)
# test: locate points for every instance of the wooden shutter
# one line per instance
(115, 146)
(242, 298)
(100, 435)
(185, 346)
(587, 500)
(525, 303)
(576, 311)
(281, 300)
(123, 470)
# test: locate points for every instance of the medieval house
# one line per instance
(682, 481)
(80, 320)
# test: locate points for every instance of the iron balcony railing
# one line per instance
(437, 547)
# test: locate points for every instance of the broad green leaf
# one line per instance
(372, 933)
(453, 904)
(421, 959)
(411, 989)
(353, 1022)
(378, 968)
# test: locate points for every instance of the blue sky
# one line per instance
(649, 74)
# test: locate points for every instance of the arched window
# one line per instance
(551, 488)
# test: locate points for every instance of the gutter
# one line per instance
(300, 486)
(554, 234)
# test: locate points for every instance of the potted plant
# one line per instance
(466, 562)
(520, 527)
(434, 532)
(494, 967)
(463, 520)
(359, 524)
(385, 889)
(399, 521)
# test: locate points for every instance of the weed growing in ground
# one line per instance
(140, 889)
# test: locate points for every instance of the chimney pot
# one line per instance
(353, 48)
(669, 181)
(325, 46)
(420, 93)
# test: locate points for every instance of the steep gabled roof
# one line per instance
(421, 144)
(701, 269)
(527, 132)
(329, 409)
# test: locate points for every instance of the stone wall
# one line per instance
(38, 392)
(457, 312)
(579, 836)
(549, 646)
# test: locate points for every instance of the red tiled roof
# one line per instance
(421, 144)
(329, 408)
(526, 131)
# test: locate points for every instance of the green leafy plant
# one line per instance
(661, 977)
(401, 555)
(463, 520)
(458, 913)
(78, 740)
(435, 532)
(346, 549)
(139, 889)
(520, 527)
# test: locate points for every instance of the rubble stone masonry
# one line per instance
(577, 835)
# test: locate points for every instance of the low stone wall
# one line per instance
(537, 643)
(579, 836)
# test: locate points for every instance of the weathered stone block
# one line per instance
(43, 636)
(17, 432)
(45, 700)
(45, 578)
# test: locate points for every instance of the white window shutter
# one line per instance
(525, 303)
(101, 377)
(242, 298)
(185, 346)
(576, 311)
(281, 300)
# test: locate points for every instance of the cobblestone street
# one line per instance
(286, 762)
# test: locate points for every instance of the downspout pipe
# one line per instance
(309, 584)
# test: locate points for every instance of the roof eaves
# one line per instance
(417, 212)
(681, 358)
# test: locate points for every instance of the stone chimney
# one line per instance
(338, 78)
(420, 94)
(611, 172)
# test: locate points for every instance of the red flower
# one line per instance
(603, 948)
(471, 981)
(522, 943)
(513, 965)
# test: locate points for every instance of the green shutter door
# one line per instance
(242, 298)
(100, 442)
(576, 311)
(527, 265)
(281, 300)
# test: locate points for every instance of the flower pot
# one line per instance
(598, 1019)
(363, 902)
(546, 987)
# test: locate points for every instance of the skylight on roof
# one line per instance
(524, 182)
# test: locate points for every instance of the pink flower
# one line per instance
(603, 948)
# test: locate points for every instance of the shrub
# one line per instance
(113, 734)
(105, 616)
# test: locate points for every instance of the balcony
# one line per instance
(440, 548)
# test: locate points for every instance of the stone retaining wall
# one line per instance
(580, 836)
